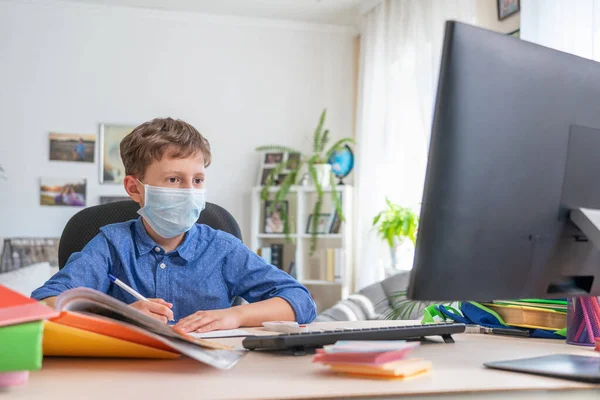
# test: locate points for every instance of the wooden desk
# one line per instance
(457, 373)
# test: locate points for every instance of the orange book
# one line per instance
(109, 327)
(93, 324)
(16, 308)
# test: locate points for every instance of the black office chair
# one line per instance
(86, 224)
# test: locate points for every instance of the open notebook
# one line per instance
(93, 324)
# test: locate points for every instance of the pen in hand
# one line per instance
(127, 288)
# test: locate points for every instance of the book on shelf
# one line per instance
(272, 254)
(332, 264)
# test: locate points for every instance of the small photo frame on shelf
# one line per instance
(274, 220)
(336, 222)
(273, 158)
(293, 160)
(270, 160)
(506, 8)
(323, 225)
(264, 174)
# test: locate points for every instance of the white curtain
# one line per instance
(569, 26)
(401, 43)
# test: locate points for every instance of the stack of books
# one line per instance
(21, 329)
(532, 313)
(373, 359)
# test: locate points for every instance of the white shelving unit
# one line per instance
(309, 270)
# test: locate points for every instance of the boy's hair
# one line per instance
(150, 140)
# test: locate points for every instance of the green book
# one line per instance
(21, 347)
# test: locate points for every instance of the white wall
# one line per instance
(242, 82)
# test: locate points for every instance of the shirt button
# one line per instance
(163, 265)
(157, 249)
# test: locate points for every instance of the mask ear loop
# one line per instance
(145, 189)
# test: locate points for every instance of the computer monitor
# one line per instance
(513, 174)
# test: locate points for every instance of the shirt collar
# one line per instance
(146, 244)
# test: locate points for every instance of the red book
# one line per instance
(16, 308)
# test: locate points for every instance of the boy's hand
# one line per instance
(205, 321)
(156, 308)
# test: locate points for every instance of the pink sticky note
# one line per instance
(13, 378)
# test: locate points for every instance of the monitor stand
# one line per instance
(588, 220)
(565, 366)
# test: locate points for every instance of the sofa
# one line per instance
(373, 302)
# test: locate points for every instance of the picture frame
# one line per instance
(270, 161)
(323, 226)
(273, 221)
(262, 176)
(293, 160)
(506, 8)
(111, 168)
(72, 147)
(273, 158)
(336, 223)
(63, 192)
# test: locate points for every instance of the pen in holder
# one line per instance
(583, 320)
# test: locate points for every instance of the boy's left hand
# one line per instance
(206, 321)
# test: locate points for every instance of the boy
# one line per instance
(190, 271)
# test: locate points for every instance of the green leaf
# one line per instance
(276, 148)
(337, 146)
(324, 141)
(318, 130)
(337, 203)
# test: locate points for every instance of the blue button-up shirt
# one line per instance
(206, 272)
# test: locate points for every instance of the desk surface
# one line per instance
(457, 371)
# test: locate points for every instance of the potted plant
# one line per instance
(394, 225)
(318, 169)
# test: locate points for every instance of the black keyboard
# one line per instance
(300, 341)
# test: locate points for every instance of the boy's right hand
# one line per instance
(156, 308)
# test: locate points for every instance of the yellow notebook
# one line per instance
(529, 317)
(63, 340)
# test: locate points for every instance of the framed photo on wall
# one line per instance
(506, 8)
(72, 147)
(112, 169)
(70, 192)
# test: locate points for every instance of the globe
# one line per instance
(342, 162)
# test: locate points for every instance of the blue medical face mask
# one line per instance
(171, 212)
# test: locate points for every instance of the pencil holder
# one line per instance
(583, 320)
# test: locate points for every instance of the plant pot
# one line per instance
(323, 172)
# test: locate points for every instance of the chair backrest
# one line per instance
(83, 226)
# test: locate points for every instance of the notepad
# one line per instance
(397, 369)
(221, 333)
(13, 378)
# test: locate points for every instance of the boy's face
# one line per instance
(169, 172)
